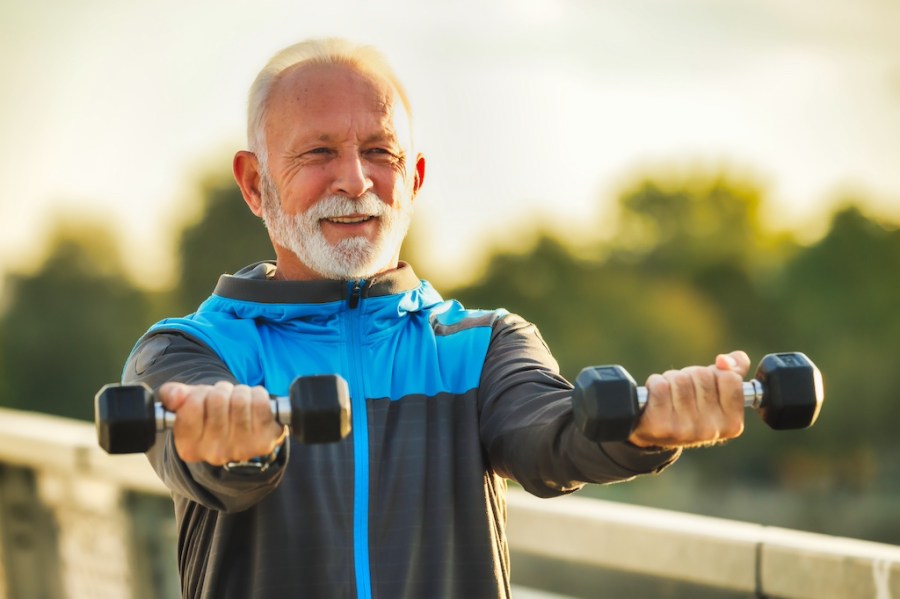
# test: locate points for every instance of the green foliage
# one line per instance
(840, 299)
(225, 239)
(597, 312)
(68, 327)
(707, 235)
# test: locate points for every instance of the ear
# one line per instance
(246, 172)
(418, 175)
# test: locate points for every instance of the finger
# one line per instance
(188, 428)
(261, 407)
(266, 429)
(216, 422)
(722, 403)
(659, 395)
(240, 414)
(684, 394)
(730, 386)
(656, 420)
(706, 390)
(240, 422)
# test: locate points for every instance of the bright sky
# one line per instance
(527, 110)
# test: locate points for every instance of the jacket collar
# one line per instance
(255, 283)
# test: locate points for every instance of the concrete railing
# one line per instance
(76, 523)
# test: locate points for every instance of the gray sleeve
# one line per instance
(164, 357)
(527, 427)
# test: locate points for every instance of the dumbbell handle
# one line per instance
(281, 409)
(753, 395)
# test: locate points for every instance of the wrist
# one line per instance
(258, 464)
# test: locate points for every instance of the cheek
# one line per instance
(394, 187)
(301, 192)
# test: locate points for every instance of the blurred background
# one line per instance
(650, 182)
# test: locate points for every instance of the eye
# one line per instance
(381, 154)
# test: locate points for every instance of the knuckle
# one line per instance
(215, 401)
(681, 382)
(262, 409)
(658, 389)
(706, 379)
(239, 402)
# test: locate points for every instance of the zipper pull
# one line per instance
(356, 293)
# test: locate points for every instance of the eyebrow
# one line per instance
(375, 137)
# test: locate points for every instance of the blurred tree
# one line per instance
(685, 228)
(67, 328)
(225, 238)
(596, 312)
(839, 299)
(708, 234)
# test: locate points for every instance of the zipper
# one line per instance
(356, 293)
(359, 419)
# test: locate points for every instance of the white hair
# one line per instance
(334, 51)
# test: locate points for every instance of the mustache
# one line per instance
(331, 206)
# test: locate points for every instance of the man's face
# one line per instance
(338, 190)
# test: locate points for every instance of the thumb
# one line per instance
(736, 361)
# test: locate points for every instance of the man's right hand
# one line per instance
(222, 423)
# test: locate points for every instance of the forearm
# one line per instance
(528, 428)
(173, 357)
(548, 456)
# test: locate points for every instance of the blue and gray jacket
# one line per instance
(447, 404)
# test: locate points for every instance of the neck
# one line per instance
(289, 268)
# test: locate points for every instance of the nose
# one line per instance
(351, 178)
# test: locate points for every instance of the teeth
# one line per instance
(348, 220)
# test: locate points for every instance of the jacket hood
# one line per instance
(256, 283)
(253, 293)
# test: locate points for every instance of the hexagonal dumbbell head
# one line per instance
(793, 390)
(320, 408)
(605, 403)
(124, 417)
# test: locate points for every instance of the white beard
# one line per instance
(351, 258)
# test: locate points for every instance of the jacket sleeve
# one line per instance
(164, 357)
(527, 427)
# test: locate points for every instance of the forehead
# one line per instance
(328, 99)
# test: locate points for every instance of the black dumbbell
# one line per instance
(787, 391)
(128, 416)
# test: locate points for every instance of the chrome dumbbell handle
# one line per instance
(753, 395)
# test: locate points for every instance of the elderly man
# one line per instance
(447, 403)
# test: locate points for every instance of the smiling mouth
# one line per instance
(348, 220)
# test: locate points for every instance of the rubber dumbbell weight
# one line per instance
(787, 391)
(128, 417)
